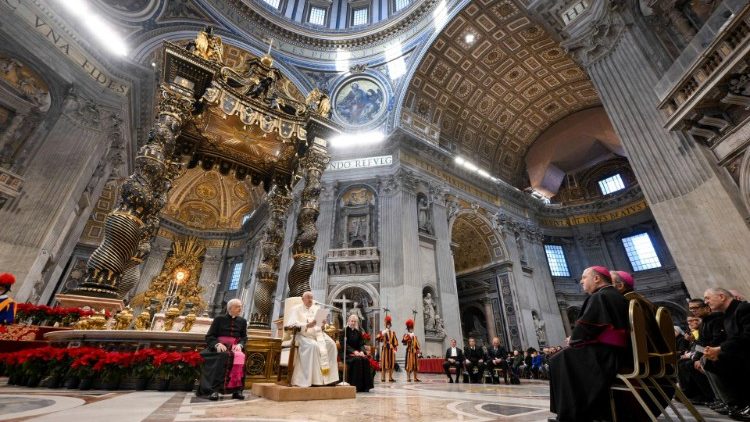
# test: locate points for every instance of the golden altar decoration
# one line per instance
(177, 284)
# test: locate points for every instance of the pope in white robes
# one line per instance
(315, 361)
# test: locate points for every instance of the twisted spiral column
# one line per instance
(143, 196)
(279, 200)
(303, 250)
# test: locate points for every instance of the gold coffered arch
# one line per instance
(475, 243)
(493, 97)
(207, 200)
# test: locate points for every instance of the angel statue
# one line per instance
(209, 46)
(317, 100)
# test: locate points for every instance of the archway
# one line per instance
(360, 301)
(477, 252)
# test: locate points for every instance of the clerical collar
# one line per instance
(602, 287)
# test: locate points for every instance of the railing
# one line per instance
(353, 261)
(349, 254)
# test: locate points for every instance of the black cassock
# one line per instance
(216, 369)
(581, 375)
(358, 371)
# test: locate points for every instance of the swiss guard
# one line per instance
(7, 304)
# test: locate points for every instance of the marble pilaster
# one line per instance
(210, 278)
(319, 277)
(446, 271)
(36, 224)
(490, 317)
(699, 215)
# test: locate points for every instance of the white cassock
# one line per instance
(315, 360)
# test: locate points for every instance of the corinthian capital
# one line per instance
(594, 35)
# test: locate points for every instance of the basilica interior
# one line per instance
(456, 162)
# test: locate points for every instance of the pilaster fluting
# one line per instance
(326, 219)
(696, 210)
(303, 250)
(490, 317)
(267, 274)
(143, 195)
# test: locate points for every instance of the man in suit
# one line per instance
(454, 357)
(728, 361)
(474, 361)
(496, 356)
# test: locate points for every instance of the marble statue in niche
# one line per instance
(356, 309)
(424, 214)
(539, 327)
(428, 310)
(439, 325)
(356, 217)
(357, 231)
(521, 248)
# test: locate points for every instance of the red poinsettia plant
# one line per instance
(143, 363)
(39, 314)
(83, 364)
(113, 365)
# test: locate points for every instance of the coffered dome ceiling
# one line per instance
(209, 201)
(490, 99)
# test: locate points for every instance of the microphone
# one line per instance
(324, 305)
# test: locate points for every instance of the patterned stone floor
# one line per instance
(434, 400)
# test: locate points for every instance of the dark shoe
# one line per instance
(715, 403)
(214, 396)
(238, 395)
(450, 380)
(737, 415)
(722, 410)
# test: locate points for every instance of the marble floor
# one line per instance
(433, 400)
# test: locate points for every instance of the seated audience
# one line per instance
(536, 364)
(581, 375)
(516, 365)
(454, 358)
(624, 283)
(223, 371)
(707, 329)
(358, 371)
(729, 361)
(496, 355)
(474, 361)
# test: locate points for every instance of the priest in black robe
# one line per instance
(581, 374)
(223, 370)
(358, 370)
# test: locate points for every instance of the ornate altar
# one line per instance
(241, 121)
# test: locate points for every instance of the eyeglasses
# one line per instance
(694, 308)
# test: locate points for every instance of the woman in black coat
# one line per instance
(358, 371)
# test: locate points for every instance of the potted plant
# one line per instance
(142, 369)
(111, 367)
(189, 369)
(165, 365)
(83, 367)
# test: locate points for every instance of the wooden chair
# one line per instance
(633, 381)
(668, 370)
(289, 343)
